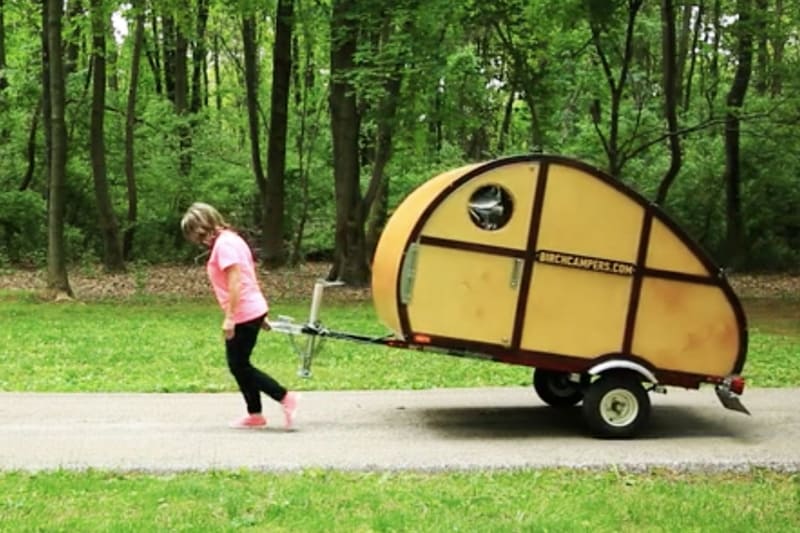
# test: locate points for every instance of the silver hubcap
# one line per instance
(619, 407)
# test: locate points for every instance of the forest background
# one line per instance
(307, 121)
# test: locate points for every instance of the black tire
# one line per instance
(555, 388)
(616, 406)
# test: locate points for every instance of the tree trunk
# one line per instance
(778, 47)
(611, 144)
(109, 229)
(689, 78)
(154, 54)
(508, 113)
(217, 76)
(735, 237)
(28, 178)
(251, 97)
(182, 101)
(72, 45)
(376, 197)
(350, 257)
(57, 280)
(130, 123)
(306, 137)
(3, 80)
(46, 101)
(761, 84)
(199, 57)
(671, 93)
(168, 46)
(273, 238)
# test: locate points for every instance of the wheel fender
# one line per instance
(623, 364)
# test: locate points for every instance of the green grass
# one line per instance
(550, 500)
(162, 345)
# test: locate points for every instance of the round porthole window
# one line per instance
(490, 207)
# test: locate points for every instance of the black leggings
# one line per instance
(251, 380)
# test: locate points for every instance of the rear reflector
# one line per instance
(737, 384)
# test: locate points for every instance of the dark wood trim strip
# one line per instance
(527, 268)
(680, 276)
(472, 247)
(636, 285)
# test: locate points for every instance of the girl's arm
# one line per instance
(234, 284)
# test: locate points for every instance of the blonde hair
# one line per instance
(200, 221)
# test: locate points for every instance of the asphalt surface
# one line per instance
(442, 429)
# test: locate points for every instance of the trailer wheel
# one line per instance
(556, 389)
(616, 406)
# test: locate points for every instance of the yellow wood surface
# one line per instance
(574, 306)
(686, 327)
(452, 221)
(576, 312)
(390, 250)
(583, 215)
(470, 299)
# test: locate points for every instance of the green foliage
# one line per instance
(462, 65)
(22, 228)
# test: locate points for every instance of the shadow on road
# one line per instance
(540, 421)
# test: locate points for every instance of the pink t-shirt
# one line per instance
(230, 249)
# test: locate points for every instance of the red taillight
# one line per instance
(737, 384)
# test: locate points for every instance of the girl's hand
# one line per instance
(227, 328)
(265, 324)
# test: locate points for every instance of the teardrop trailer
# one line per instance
(547, 262)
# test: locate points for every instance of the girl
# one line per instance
(231, 270)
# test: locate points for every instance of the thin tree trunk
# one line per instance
(199, 57)
(698, 24)
(350, 257)
(616, 159)
(251, 97)
(376, 197)
(154, 55)
(57, 280)
(735, 237)
(778, 47)
(182, 101)
(28, 178)
(505, 127)
(46, 101)
(671, 94)
(130, 123)
(3, 79)
(273, 238)
(72, 45)
(107, 220)
(217, 76)
(761, 84)
(169, 53)
(306, 136)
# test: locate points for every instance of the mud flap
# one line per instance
(730, 400)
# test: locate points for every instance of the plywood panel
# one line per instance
(686, 327)
(464, 295)
(586, 216)
(576, 312)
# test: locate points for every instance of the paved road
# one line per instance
(388, 430)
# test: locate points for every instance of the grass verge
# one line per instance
(549, 500)
(166, 345)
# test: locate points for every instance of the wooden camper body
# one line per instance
(574, 269)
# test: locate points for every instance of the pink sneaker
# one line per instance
(289, 404)
(249, 421)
